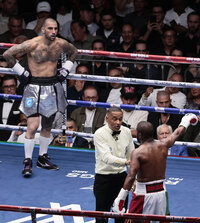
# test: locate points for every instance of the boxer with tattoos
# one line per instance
(43, 94)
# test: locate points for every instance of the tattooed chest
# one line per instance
(45, 54)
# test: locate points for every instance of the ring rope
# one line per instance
(96, 78)
(135, 56)
(133, 107)
(101, 214)
(82, 134)
(53, 131)
(126, 80)
(122, 106)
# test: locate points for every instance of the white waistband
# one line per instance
(141, 186)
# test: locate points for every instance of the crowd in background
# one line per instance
(164, 27)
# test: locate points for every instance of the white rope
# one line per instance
(82, 134)
(88, 77)
(132, 81)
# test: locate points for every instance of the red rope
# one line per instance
(97, 214)
(135, 56)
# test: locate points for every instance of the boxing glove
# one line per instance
(64, 71)
(118, 204)
(24, 75)
(189, 119)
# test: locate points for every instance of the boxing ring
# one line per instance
(69, 191)
(71, 187)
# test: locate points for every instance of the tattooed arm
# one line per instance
(10, 56)
(16, 50)
(71, 51)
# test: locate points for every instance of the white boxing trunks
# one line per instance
(149, 198)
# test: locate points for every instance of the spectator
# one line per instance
(64, 14)
(70, 140)
(19, 136)
(131, 117)
(123, 8)
(169, 38)
(9, 8)
(177, 16)
(82, 38)
(89, 119)
(43, 11)
(192, 72)
(3, 64)
(20, 39)
(75, 92)
(9, 109)
(86, 16)
(189, 39)
(98, 66)
(178, 99)
(109, 31)
(99, 6)
(193, 97)
(156, 118)
(141, 70)
(129, 35)
(164, 131)
(15, 30)
(154, 30)
(112, 94)
(176, 67)
(138, 19)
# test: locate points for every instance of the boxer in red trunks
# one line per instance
(148, 162)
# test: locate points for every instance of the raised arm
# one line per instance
(186, 121)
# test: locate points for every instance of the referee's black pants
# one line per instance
(106, 189)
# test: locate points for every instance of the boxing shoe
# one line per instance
(43, 162)
(27, 171)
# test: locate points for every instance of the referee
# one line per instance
(113, 145)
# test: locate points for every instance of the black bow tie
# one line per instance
(116, 133)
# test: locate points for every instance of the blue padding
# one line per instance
(71, 186)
